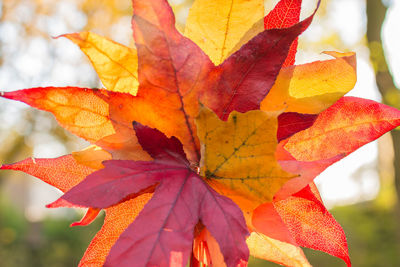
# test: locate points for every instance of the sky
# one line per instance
(44, 62)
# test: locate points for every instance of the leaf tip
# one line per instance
(57, 36)
(7, 167)
(76, 224)
(60, 203)
(89, 217)
(13, 95)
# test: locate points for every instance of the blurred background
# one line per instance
(362, 191)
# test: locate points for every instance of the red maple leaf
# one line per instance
(165, 227)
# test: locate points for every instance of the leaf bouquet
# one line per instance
(206, 144)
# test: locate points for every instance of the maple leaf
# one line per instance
(190, 181)
(181, 199)
(240, 153)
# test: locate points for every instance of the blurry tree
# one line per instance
(376, 13)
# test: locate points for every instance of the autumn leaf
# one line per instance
(240, 153)
(73, 107)
(217, 26)
(155, 234)
(264, 247)
(89, 113)
(63, 173)
(53, 171)
(302, 220)
(285, 14)
(116, 64)
(203, 138)
(172, 70)
(338, 131)
(179, 191)
(243, 80)
(347, 125)
(313, 87)
(290, 123)
(117, 219)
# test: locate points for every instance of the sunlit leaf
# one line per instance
(172, 70)
(285, 14)
(304, 219)
(217, 26)
(190, 154)
(116, 64)
(243, 80)
(89, 113)
(240, 153)
(270, 249)
(312, 87)
(345, 126)
(63, 172)
(117, 219)
(156, 234)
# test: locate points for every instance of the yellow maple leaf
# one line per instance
(240, 153)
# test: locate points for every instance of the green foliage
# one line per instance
(46, 243)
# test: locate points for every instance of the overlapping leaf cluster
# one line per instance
(205, 145)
